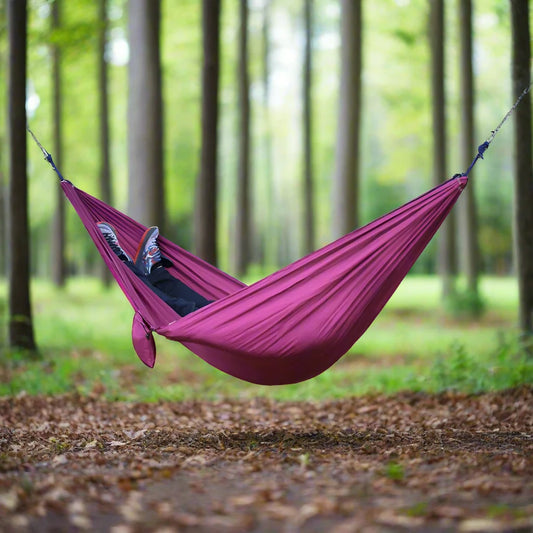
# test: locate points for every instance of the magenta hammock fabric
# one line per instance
(293, 324)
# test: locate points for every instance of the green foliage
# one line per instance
(3, 319)
(394, 471)
(383, 196)
(508, 366)
(16, 355)
(418, 509)
(504, 510)
(465, 304)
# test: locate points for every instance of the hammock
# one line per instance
(291, 325)
(295, 323)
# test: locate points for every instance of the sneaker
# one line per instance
(148, 253)
(110, 235)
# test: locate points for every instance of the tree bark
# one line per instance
(242, 240)
(145, 115)
(446, 244)
(467, 204)
(273, 231)
(521, 58)
(103, 104)
(20, 316)
(207, 185)
(346, 176)
(3, 219)
(309, 218)
(58, 263)
(3, 177)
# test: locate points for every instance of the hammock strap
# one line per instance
(482, 147)
(47, 155)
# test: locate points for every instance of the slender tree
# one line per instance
(346, 176)
(470, 246)
(271, 221)
(521, 60)
(20, 316)
(206, 189)
(242, 237)
(446, 256)
(3, 230)
(103, 104)
(3, 184)
(145, 115)
(309, 227)
(3, 215)
(59, 270)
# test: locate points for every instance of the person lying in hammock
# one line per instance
(149, 266)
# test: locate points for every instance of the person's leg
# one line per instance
(148, 266)
(181, 305)
(150, 262)
(160, 277)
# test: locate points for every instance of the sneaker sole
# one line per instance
(144, 238)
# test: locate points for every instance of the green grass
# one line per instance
(83, 333)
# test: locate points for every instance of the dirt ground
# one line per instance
(410, 462)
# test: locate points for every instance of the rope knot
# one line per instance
(481, 148)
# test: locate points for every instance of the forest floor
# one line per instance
(408, 462)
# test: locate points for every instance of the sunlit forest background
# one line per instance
(456, 322)
(342, 393)
(396, 139)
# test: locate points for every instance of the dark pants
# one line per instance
(172, 291)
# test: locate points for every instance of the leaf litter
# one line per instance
(409, 462)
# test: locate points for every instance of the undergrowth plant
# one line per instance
(507, 366)
(465, 303)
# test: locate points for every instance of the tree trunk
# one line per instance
(521, 59)
(242, 237)
(467, 204)
(346, 177)
(103, 101)
(3, 217)
(3, 177)
(207, 189)
(145, 122)
(58, 263)
(20, 317)
(309, 229)
(446, 255)
(272, 223)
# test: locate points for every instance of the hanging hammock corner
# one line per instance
(143, 340)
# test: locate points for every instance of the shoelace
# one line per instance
(111, 241)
